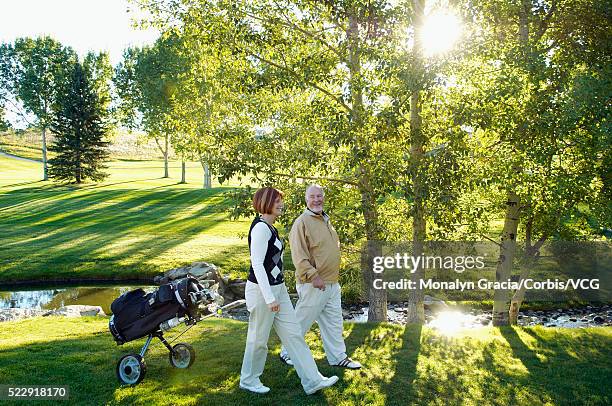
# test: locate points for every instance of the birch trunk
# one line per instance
(519, 295)
(501, 298)
(530, 257)
(207, 178)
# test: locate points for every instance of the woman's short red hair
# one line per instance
(264, 199)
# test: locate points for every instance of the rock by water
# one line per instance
(230, 289)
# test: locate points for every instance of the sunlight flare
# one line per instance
(448, 323)
(440, 31)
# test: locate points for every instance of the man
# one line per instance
(315, 250)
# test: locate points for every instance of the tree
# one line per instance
(38, 69)
(545, 147)
(146, 82)
(80, 124)
(8, 79)
(435, 169)
(203, 101)
(576, 120)
(316, 120)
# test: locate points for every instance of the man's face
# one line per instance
(314, 199)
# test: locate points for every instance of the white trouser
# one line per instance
(261, 320)
(325, 307)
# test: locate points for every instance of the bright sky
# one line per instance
(85, 25)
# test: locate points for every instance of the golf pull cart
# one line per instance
(137, 314)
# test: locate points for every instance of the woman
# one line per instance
(269, 305)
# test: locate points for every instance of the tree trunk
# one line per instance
(377, 298)
(207, 177)
(507, 252)
(519, 295)
(166, 173)
(77, 174)
(164, 153)
(416, 310)
(183, 177)
(517, 300)
(530, 257)
(501, 299)
(377, 310)
(44, 153)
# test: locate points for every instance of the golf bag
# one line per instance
(137, 314)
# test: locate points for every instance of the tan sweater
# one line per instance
(315, 248)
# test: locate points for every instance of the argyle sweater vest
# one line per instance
(273, 262)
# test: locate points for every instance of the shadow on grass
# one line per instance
(87, 364)
(388, 354)
(564, 366)
(401, 366)
(413, 366)
(22, 183)
(435, 369)
(401, 384)
(103, 185)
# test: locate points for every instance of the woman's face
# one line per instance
(277, 207)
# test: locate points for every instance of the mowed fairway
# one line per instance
(133, 225)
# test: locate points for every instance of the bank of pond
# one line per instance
(447, 318)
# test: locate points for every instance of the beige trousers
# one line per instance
(261, 320)
(324, 307)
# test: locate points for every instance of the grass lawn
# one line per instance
(402, 365)
(134, 225)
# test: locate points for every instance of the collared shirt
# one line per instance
(315, 247)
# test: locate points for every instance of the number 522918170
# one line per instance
(8, 392)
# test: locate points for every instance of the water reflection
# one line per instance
(25, 299)
(54, 298)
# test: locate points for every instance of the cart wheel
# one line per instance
(182, 356)
(131, 369)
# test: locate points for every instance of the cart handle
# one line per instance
(228, 306)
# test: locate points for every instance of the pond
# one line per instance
(447, 320)
(55, 297)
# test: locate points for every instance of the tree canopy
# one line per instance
(414, 146)
(33, 71)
